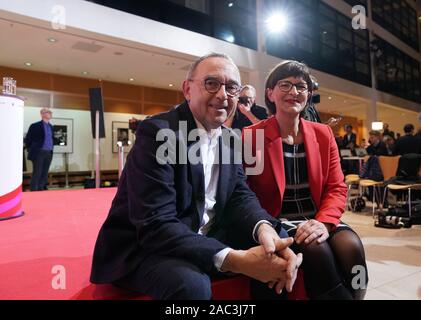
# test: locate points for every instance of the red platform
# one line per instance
(59, 229)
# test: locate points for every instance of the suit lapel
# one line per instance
(197, 177)
(314, 164)
(275, 151)
(224, 178)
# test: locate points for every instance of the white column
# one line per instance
(11, 159)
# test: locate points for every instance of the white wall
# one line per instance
(82, 157)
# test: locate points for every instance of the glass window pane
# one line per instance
(345, 34)
(362, 67)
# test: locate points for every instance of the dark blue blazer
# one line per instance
(158, 207)
(34, 139)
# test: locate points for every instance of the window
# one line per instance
(197, 5)
(397, 73)
(324, 39)
(397, 17)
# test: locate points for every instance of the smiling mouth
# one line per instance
(292, 101)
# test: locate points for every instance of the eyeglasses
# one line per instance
(286, 86)
(214, 85)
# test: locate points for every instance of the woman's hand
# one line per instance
(311, 230)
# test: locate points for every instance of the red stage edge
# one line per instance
(19, 214)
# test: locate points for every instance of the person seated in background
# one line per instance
(176, 222)
(408, 143)
(302, 185)
(377, 147)
(247, 111)
(390, 145)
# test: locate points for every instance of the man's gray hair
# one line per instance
(194, 66)
(249, 88)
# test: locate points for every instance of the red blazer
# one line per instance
(326, 179)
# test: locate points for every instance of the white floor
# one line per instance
(393, 257)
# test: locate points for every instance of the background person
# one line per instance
(39, 142)
(247, 111)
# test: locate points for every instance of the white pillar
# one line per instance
(11, 159)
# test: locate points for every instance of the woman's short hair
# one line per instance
(286, 69)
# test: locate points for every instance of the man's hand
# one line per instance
(268, 238)
(244, 108)
(311, 230)
(257, 264)
(294, 262)
(272, 243)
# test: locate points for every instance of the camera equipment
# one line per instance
(243, 100)
(310, 112)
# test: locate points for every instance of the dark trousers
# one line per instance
(167, 278)
(41, 165)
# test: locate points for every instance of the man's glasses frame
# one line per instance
(213, 86)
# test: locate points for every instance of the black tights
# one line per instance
(328, 267)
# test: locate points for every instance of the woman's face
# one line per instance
(290, 95)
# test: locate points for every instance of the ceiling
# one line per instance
(73, 54)
(81, 55)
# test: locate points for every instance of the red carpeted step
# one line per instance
(55, 239)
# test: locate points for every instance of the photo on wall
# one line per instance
(122, 132)
(62, 135)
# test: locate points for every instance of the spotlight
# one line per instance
(277, 22)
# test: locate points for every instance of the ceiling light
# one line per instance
(85, 73)
(131, 79)
(171, 85)
(278, 22)
(377, 125)
(230, 38)
(230, 4)
(330, 98)
(52, 40)
(28, 64)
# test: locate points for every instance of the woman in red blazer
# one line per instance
(301, 183)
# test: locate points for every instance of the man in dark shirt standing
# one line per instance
(387, 132)
(39, 141)
(408, 143)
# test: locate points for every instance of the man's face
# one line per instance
(46, 115)
(249, 95)
(373, 139)
(212, 109)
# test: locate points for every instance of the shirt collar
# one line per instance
(212, 134)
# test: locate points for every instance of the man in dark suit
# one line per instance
(39, 142)
(349, 140)
(377, 147)
(408, 143)
(181, 214)
(247, 111)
